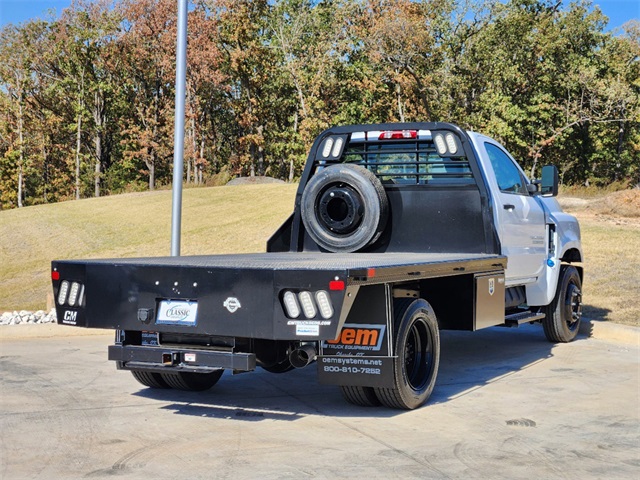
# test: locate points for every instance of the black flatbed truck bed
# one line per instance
(254, 279)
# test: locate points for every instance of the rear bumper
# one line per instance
(162, 359)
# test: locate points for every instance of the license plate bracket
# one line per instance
(177, 312)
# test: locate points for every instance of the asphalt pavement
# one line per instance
(507, 405)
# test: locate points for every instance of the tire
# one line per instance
(563, 314)
(149, 379)
(417, 347)
(282, 367)
(195, 382)
(344, 208)
(361, 396)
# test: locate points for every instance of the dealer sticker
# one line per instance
(307, 330)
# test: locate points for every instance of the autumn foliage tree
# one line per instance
(86, 99)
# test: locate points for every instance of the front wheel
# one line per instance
(563, 314)
(417, 349)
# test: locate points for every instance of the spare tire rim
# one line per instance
(340, 209)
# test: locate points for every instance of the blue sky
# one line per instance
(16, 11)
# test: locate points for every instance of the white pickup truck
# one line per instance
(398, 231)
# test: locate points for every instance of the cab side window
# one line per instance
(509, 178)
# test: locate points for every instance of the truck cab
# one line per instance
(535, 234)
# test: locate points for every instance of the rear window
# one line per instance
(409, 163)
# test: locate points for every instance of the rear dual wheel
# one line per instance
(417, 347)
(179, 380)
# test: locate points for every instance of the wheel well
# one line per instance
(571, 255)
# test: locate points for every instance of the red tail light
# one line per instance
(398, 134)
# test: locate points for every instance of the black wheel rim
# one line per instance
(340, 209)
(418, 355)
(573, 306)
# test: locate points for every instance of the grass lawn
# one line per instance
(215, 220)
(241, 219)
(611, 247)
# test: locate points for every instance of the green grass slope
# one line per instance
(215, 220)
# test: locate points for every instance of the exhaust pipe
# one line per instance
(303, 356)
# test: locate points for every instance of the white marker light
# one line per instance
(337, 148)
(451, 143)
(440, 145)
(328, 144)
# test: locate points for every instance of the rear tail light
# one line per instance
(324, 304)
(74, 294)
(70, 293)
(308, 307)
(291, 304)
(62, 293)
(307, 303)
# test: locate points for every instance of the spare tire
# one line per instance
(344, 208)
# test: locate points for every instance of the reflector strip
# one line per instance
(371, 272)
(336, 285)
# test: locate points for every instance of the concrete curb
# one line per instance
(613, 332)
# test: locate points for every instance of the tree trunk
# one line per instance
(201, 167)
(399, 100)
(152, 171)
(98, 117)
(45, 168)
(78, 145)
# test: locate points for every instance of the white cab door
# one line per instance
(521, 220)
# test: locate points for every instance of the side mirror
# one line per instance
(549, 182)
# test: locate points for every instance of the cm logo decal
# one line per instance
(70, 317)
(360, 337)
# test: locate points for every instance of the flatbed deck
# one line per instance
(369, 268)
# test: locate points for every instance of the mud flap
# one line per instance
(362, 354)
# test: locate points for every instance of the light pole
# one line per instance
(178, 136)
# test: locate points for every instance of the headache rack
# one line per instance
(406, 162)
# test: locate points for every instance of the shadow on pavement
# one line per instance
(468, 361)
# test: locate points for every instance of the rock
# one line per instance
(27, 317)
